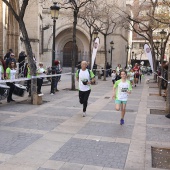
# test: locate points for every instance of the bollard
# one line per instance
(37, 99)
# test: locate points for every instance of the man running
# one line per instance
(85, 78)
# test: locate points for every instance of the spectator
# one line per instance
(40, 72)
(21, 61)
(8, 54)
(10, 59)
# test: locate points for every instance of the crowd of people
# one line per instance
(9, 71)
(134, 74)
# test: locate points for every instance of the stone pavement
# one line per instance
(54, 136)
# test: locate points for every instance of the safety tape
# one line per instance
(161, 77)
(33, 77)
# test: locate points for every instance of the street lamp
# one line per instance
(127, 49)
(112, 48)
(132, 62)
(54, 15)
(95, 34)
(163, 34)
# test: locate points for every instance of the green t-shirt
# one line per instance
(11, 73)
(121, 89)
(28, 73)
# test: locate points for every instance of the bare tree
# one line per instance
(107, 21)
(155, 19)
(19, 16)
(89, 19)
(75, 6)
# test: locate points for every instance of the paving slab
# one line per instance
(33, 122)
(107, 130)
(55, 136)
(90, 152)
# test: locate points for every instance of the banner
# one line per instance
(149, 55)
(95, 48)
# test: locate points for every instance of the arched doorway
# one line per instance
(67, 54)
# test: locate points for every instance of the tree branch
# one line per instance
(23, 8)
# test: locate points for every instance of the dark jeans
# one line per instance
(56, 82)
(29, 86)
(39, 85)
(83, 97)
(11, 90)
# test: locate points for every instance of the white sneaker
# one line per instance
(52, 93)
(84, 114)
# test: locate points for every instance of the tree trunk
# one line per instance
(74, 50)
(30, 58)
(153, 58)
(168, 91)
(105, 49)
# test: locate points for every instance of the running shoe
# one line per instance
(122, 121)
(84, 114)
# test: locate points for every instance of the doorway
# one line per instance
(67, 54)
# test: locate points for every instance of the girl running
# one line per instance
(121, 89)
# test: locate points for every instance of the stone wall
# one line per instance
(1, 29)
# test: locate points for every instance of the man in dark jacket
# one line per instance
(21, 61)
(8, 54)
(10, 59)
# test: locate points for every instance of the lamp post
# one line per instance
(111, 51)
(132, 58)
(127, 50)
(163, 36)
(95, 34)
(54, 15)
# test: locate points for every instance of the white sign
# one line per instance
(149, 55)
(95, 48)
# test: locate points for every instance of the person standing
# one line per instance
(10, 59)
(113, 76)
(57, 71)
(131, 77)
(21, 61)
(1, 71)
(136, 76)
(121, 89)
(118, 69)
(40, 72)
(8, 54)
(11, 75)
(85, 77)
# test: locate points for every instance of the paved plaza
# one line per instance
(55, 136)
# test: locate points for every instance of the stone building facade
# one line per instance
(40, 29)
(9, 29)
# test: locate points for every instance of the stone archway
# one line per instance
(67, 54)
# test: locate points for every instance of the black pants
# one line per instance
(83, 97)
(140, 77)
(39, 85)
(29, 86)
(11, 90)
